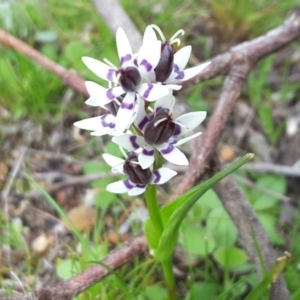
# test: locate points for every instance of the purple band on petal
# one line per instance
(157, 176)
(176, 68)
(177, 130)
(110, 95)
(168, 150)
(128, 184)
(148, 152)
(135, 62)
(143, 123)
(147, 92)
(125, 58)
(110, 74)
(128, 106)
(141, 185)
(180, 75)
(133, 142)
(147, 66)
(107, 124)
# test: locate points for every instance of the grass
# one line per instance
(64, 31)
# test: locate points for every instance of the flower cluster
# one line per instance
(139, 102)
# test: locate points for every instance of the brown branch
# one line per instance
(68, 289)
(262, 167)
(69, 77)
(206, 146)
(239, 61)
(253, 50)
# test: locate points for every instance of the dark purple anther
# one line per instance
(165, 65)
(134, 171)
(130, 78)
(113, 107)
(160, 128)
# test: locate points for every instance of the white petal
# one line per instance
(97, 94)
(97, 123)
(146, 157)
(182, 141)
(120, 187)
(112, 160)
(182, 56)
(190, 73)
(172, 154)
(137, 190)
(103, 131)
(129, 141)
(174, 87)
(124, 48)
(162, 175)
(148, 57)
(113, 93)
(149, 36)
(152, 92)
(190, 121)
(167, 101)
(99, 68)
(125, 112)
(97, 101)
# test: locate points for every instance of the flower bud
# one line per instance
(160, 128)
(134, 171)
(130, 78)
(165, 65)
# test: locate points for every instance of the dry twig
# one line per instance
(262, 167)
(68, 289)
(69, 77)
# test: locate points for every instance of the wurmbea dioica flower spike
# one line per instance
(142, 78)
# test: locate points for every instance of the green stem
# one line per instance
(153, 208)
(169, 277)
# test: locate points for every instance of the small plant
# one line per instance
(139, 102)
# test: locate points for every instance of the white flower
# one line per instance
(181, 57)
(134, 185)
(131, 76)
(163, 133)
(104, 124)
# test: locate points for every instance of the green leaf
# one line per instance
(196, 241)
(152, 235)
(203, 290)
(269, 224)
(104, 199)
(66, 268)
(220, 226)
(155, 292)
(269, 278)
(168, 239)
(230, 257)
(112, 149)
